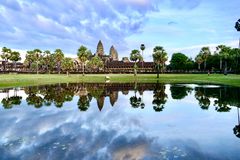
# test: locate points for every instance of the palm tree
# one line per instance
(237, 27)
(15, 56)
(6, 54)
(236, 129)
(58, 55)
(83, 103)
(16, 100)
(95, 62)
(159, 97)
(37, 53)
(134, 100)
(67, 64)
(205, 52)
(142, 47)
(223, 52)
(35, 100)
(135, 56)
(47, 60)
(83, 55)
(199, 61)
(159, 58)
(29, 59)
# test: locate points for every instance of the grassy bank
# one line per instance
(12, 80)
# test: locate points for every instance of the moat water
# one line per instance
(120, 122)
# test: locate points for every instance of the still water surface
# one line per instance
(120, 121)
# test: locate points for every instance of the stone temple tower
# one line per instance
(100, 49)
(113, 54)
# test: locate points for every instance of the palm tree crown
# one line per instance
(237, 25)
(159, 58)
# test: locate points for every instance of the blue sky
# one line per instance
(177, 25)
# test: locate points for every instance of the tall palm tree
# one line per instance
(47, 60)
(199, 61)
(135, 56)
(37, 53)
(205, 52)
(159, 58)
(29, 59)
(58, 55)
(67, 64)
(15, 56)
(6, 54)
(83, 55)
(142, 47)
(237, 27)
(224, 53)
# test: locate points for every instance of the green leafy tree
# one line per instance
(179, 61)
(14, 57)
(6, 54)
(159, 58)
(67, 65)
(189, 64)
(205, 52)
(235, 54)
(59, 56)
(135, 56)
(83, 55)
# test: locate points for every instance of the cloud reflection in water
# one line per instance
(120, 132)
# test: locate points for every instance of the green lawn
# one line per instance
(12, 80)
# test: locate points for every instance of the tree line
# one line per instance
(224, 58)
(47, 61)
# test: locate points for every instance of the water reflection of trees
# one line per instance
(159, 97)
(180, 91)
(9, 102)
(136, 101)
(223, 97)
(236, 129)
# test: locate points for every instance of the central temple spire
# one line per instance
(100, 49)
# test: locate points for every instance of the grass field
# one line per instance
(13, 80)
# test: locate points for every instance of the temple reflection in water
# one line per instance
(223, 98)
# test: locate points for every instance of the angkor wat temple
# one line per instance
(112, 64)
